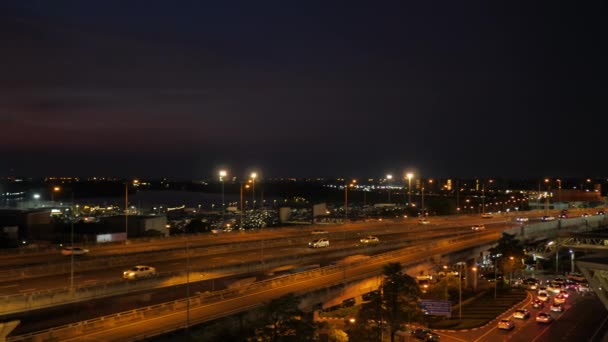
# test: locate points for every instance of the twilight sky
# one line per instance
(304, 89)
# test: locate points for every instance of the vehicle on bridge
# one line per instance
(140, 271)
(544, 317)
(424, 282)
(521, 314)
(478, 227)
(425, 335)
(487, 215)
(575, 276)
(318, 243)
(557, 307)
(74, 251)
(506, 324)
(423, 221)
(538, 304)
(369, 240)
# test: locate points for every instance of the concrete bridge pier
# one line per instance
(6, 328)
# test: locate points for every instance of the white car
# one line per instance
(139, 271)
(369, 240)
(506, 324)
(522, 219)
(559, 299)
(557, 307)
(544, 317)
(74, 251)
(318, 243)
(543, 295)
(521, 314)
(478, 227)
(423, 221)
(487, 215)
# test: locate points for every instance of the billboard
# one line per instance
(436, 307)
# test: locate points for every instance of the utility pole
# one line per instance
(72, 244)
(126, 211)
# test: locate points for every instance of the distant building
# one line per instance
(33, 224)
(136, 225)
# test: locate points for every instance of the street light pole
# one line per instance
(222, 175)
(72, 244)
(345, 202)
(460, 293)
(495, 276)
(547, 196)
(571, 261)
(556, 259)
(475, 279)
(187, 284)
(241, 205)
(388, 186)
(409, 188)
(126, 212)
(253, 177)
(457, 196)
(422, 201)
(483, 198)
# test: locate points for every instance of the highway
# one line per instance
(342, 237)
(205, 252)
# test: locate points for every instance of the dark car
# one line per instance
(348, 302)
(538, 304)
(425, 335)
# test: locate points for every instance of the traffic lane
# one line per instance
(13, 261)
(579, 323)
(113, 273)
(529, 330)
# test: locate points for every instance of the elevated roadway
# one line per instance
(267, 246)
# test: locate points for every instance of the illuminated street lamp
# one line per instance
(223, 174)
(54, 190)
(474, 269)
(253, 177)
(409, 188)
(246, 186)
(388, 186)
(571, 261)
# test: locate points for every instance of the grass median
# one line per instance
(480, 311)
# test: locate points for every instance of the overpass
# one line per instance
(342, 278)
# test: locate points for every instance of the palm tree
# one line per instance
(400, 294)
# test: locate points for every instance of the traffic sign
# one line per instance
(436, 307)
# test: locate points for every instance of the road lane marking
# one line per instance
(7, 286)
(28, 290)
(484, 335)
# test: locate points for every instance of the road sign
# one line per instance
(436, 307)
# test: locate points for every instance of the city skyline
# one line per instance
(307, 90)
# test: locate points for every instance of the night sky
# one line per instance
(303, 89)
